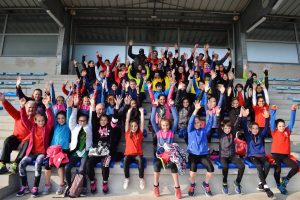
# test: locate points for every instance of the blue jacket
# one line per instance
(255, 144)
(197, 138)
(61, 135)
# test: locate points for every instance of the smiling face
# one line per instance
(103, 121)
(165, 125)
(227, 129)
(281, 126)
(235, 103)
(254, 129)
(198, 123)
(82, 120)
(162, 100)
(261, 102)
(134, 127)
(39, 120)
(30, 108)
(37, 95)
(61, 119)
(60, 100)
(185, 103)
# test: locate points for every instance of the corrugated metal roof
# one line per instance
(288, 8)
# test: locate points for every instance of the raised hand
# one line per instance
(206, 88)
(22, 102)
(2, 97)
(274, 107)
(245, 113)
(75, 63)
(266, 113)
(118, 101)
(46, 100)
(76, 100)
(218, 110)
(130, 43)
(197, 105)
(18, 82)
(229, 90)
(222, 89)
(294, 107)
(70, 102)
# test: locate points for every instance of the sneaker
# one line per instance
(46, 189)
(34, 192)
(23, 190)
(83, 192)
(237, 187)
(60, 190)
(282, 189)
(3, 168)
(192, 189)
(177, 193)
(93, 186)
(125, 184)
(284, 182)
(260, 187)
(14, 168)
(156, 191)
(66, 192)
(269, 193)
(142, 184)
(207, 189)
(105, 188)
(225, 188)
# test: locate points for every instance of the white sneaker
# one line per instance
(142, 183)
(125, 184)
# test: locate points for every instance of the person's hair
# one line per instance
(114, 83)
(91, 61)
(110, 97)
(225, 123)
(198, 117)
(158, 84)
(185, 98)
(134, 121)
(161, 95)
(253, 124)
(60, 97)
(132, 81)
(277, 121)
(62, 112)
(209, 98)
(105, 116)
(253, 74)
(83, 70)
(82, 115)
(106, 60)
(239, 85)
(260, 97)
(234, 99)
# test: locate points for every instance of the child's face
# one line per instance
(140, 67)
(180, 70)
(235, 103)
(185, 103)
(103, 121)
(133, 127)
(82, 121)
(39, 120)
(196, 75)
(107, 63)
(198, 123)
(183, 86)
(111, 101)
(156, 75)
(159, 88)
(206, 65)
(37, 95)
(61, 119)
(225, 77)
(221, 67)
(227, 129)
(239, 89)
(138, 75)
(165, 126)
(162, 100)
(259, 89)
(261, 102)
(92, 64)
(281, 126)
(212, 103)
(83, 73)
(102, 74)
(59, 100)
(254, 129)
(86, 101)
(201, 85)
(133, 104)
(132, 85)
(169, 74)
(120, 73)
(114, 87)
(254, 78)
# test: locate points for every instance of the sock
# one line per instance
(206, 184)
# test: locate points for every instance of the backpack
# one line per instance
(76, 187)
(240, 146)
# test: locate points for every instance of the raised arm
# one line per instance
(153, 122)
(266, 94)
(292, 118)
(273, 118)
(27, 123)
(175, 118)
(142, 119)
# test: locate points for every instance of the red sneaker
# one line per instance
(156, 191)
(177, 193)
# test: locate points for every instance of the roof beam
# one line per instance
(255, 12)
(54, 9)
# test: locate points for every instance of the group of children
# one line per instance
(106, 102)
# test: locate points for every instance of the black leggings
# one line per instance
(239, 163)
(203, 159)
(283, 158)
(91, 163)
(158, 166)
(262, 166)
(134, 158)
(12, 143)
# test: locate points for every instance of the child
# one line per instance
(133, 147)
(58, 103)
(81, 141)
(38, 144)
(256, 149)
(84, 107)
(61, 137)
(165, 135)
(259, 105)
(184, 112)
(281, 147)
(198, 148)
(104, 133)
(227, 154)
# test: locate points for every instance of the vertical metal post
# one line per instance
(297, 42)
(233, 48)
(178, 41)
(3, 34)
(126, 44)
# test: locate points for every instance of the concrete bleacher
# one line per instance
(10, 182)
